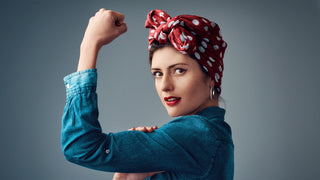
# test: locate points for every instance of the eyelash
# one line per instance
(180, 69)
(158, 73)
(155, 73)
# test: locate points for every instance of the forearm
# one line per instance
(88, 55)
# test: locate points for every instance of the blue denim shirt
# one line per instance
(190, 147)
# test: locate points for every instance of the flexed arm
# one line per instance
(102, 29)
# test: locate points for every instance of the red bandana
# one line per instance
(192, 35)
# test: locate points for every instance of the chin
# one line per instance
(175, 113)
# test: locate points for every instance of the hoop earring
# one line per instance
(211, 93)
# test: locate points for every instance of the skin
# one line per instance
(191, 85)
(179, 75)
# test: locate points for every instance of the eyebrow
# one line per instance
(171, 66)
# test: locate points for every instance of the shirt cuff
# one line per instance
(80, 82)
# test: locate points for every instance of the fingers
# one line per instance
(117, 17)
(100, 11)
(144, 129)
(122, 28)
(118, 20)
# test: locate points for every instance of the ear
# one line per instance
(212, 83)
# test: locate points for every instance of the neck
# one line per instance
(213, 102)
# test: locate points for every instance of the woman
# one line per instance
(185, 55)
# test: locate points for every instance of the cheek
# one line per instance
(196, 89)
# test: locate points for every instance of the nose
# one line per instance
(167, 83)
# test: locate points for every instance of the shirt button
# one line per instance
(68, 85)
(108, 151)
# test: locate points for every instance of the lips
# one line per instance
(171, 100)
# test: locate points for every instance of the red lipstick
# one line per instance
(171, 100)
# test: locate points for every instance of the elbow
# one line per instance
(80, 155)
(86, 158)
(74, 156)
(70, 155)
(80, 151)
(74, 151)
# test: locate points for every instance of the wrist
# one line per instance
(89, 45)
(88, 55)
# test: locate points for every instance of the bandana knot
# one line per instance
(192, 35)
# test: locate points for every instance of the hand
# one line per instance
(144, 129)
(102, 29)
(132, 176)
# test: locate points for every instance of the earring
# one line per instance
(211, 93)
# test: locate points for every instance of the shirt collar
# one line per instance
(213, 112)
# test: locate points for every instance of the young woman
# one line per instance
(186, 58)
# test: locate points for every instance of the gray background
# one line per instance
(271, 82)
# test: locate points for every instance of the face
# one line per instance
(182, 86)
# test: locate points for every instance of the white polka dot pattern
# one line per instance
(204, 44)
(195, 22)
(201, 49)
(196, 54)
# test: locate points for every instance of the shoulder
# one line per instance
(198, 127)
(199, 136)
(193, 123)
(195, 120)
(191, 128)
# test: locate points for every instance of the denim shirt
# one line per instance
(190, 147)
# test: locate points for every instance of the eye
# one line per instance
(180, 71)
(157, 74)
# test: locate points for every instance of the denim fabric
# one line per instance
(190, 147)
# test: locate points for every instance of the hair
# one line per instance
(155, 45)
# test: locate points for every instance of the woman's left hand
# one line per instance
(144, 129)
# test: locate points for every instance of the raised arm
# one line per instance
(102, 29)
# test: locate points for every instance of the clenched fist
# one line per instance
(103, 28)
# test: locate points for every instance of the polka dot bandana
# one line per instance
(192, 35)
